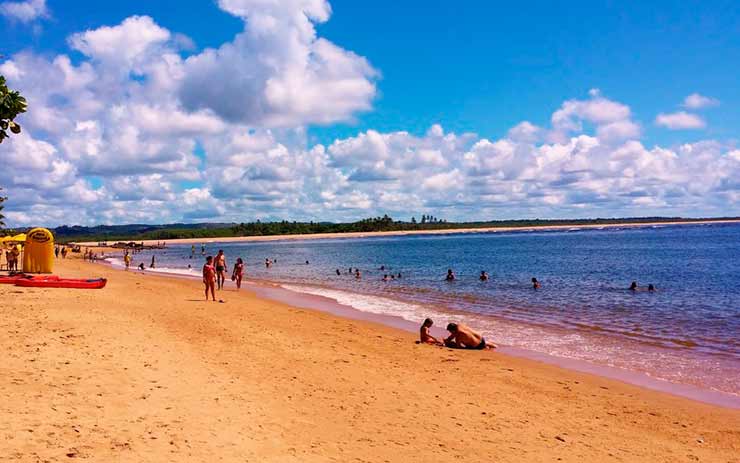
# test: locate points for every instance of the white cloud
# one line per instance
(124, 45)
(27, 11)
(283, 74)
(680, 120)
(697, 101)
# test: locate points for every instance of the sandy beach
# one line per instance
(145, 370)
(236, 239)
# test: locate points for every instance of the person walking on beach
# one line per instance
(64, 252)
(220, 264)
(238, 273)
(425, 337)
(127, 260)
(450, 275)
(56, 252)
(463, 337)
(209, 278)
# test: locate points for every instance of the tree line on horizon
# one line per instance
(373, 224)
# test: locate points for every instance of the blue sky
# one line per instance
(477, 68)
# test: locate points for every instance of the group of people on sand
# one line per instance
(461, 337)
(12, 256)
(215, 270)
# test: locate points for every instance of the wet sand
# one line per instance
(145, 370)
(237, 239)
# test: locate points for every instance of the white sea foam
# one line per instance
(117, 262)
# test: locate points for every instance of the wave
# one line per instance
(118, 262)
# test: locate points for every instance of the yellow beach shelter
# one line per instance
(38, 253)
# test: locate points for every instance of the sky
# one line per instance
(236, 110)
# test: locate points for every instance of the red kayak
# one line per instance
(56, 282)
(12, 279)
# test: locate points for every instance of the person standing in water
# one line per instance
(633, 286)
(238, 273)
(450, 275)
(535, 284)
(152, 264)
(483, 276)
(220, 264)
(127, 260)
(209, 278)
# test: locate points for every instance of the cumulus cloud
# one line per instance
(25, 12)
(697, 101)
(611, 119)
(283, 74)
(680, 120)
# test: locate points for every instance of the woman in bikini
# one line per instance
(209, 278)
(238, 273)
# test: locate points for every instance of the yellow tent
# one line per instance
(20, 238)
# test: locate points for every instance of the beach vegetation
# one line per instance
(139, 232)
(11, 105)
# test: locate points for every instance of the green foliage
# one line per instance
(11, 104)
(375, 224)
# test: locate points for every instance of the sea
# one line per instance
(685, 332)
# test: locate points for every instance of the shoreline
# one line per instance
(348, 235)
(277, 292)
(145, 370)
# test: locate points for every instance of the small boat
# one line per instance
(12, 279)
(56, 282)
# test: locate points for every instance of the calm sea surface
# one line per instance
(688, 331)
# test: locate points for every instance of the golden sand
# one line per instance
(145, 370)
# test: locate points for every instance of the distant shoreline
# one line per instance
(313, 236)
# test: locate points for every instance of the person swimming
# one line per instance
(450, 275)
(535, 284)
(385, 277)
(483, 276)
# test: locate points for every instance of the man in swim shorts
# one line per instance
(463, 337)
(220, 264)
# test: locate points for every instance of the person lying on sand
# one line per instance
(425, 337)
(463, 337)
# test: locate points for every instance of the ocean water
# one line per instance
(687, 331)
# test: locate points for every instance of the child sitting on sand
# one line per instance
(425, 337)
(209, 277)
